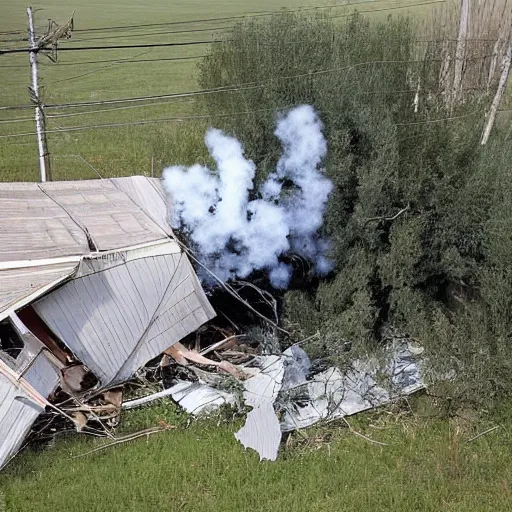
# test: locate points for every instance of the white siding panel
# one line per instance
(117, 319)
(16, 418)
(42, 375)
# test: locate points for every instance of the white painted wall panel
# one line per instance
(16, 418)
(117, 319)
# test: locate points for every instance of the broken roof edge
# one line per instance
(144, 250)
(36, 294)
(12, 265)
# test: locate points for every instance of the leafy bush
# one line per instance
(420, 213)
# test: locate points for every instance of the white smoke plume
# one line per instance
(235, 235)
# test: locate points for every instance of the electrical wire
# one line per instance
(226, 18)
(405, 6)
(147, 121)
(208, 116)
(106, 61)
(24, 50)
(148, 34)
(110, 47)
(234, 87)
(159, 103)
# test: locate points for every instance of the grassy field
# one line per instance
(78, 76)
(428, 465)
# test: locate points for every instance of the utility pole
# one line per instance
(42, 145)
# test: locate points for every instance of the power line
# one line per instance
(147, 121)
(90, 72)
(111, 47)
(226, 88)
(101, 111)
(208, 20)
(246, 85)
(130, 36)
(148, 34)
(405, 6)
(225, 18)
(237, 17)
(158, 103)
(162, 59)
(16, 120)
(107, 61)
(440, 120)
(116, 63)
(201, 20)
(209, 116)
(154, 45)
(129, 107)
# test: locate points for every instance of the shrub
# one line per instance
(420, 214)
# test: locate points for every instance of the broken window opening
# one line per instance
(11, 345)
(36, 325)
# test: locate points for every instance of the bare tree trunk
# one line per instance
(460, 52)
(499, 94)
(494, 61)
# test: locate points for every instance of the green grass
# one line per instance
(427, 466)
(127, 150)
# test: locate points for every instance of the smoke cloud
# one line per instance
(235, 235)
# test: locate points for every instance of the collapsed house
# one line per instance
(93, 285)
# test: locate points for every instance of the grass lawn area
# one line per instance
(77, 76)
(428, 465)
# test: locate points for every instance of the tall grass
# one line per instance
(426, 466)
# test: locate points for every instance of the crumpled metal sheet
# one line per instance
(262, 431)
(197, 398)
(333, 394)
(283, 383)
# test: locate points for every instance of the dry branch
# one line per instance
(125, 439)
(387, 218)
(492, 429)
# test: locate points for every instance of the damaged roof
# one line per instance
(45, 228)
(104, 277)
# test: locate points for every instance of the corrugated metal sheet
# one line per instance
(33, 226)
(149, 195)
(53, 220)
(110, 217)
(117, 319)
(17, 414)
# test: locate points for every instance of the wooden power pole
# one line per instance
(42, 145)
